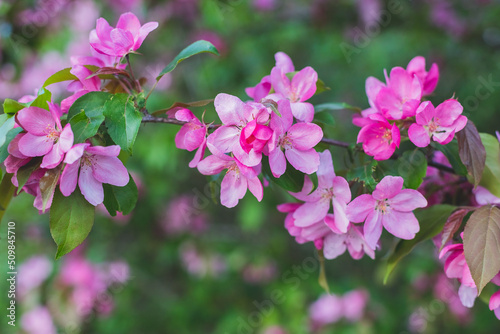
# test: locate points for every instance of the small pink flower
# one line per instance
(255, 137)
(32, 273)
(354, 304)
(45, 136)
(38, 321)
(455, 265)
(379, 137)
(90, 167)
(297, 142)
(126, 37)
(440, 123)
(389, 206)
(495, 304)
(237, 180)
(429, 80)
(192, 135)
(353, 241)
(401, 97)
(484, 197)
(328, 309)
(81, 86)
(301, 88)
(331, 189)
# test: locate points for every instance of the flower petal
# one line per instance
(110, 170)
(91, 189)
(69, 178)
(403, 225)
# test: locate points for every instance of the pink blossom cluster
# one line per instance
(397, 109)
(329, 309)
(46, 142)
(389, 206)
(455, 266)
(83, 286)
(253, 129)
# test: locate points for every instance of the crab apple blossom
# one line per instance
(495, 304)
(90, 167)
(379, 137)
(237, 180)
(389, 206)
(80, 87)
(353, 240)
(331, 189)
(455, 265)
(440, 123)
(401, 97)
(301, 88)
(292, 142)
(429, 80)
(45, 136)
(126, 37)
(192, 135)
(240, 121)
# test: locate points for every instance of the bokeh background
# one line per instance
(181, 263)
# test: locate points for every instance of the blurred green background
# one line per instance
(213, 271)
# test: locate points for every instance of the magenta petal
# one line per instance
(53, 158)
(325, 172)
(13, 147)
(373, 229)
(303, 83)
(181, 136)
(403, 225)
(448, 111)
(277, 162)
(35, 146)
(303, 111)
(35, 120)
(284, 62)
(69, 178)
(311, 212)
(339, 212)
(75, 153)
(334, 245)
(199, 154)
(341, 190)
(388, 187)
(419, 135)
(143, 33)
(213, 164)
(109, 170)
(109, 151)
(128, 21)
(66, 139)
(91, 189)
(103, 29)
(494, 301)
(255, 187)
(407, 200)
(233, 188)
(123, 41)
(305, 135)
(372, 87)
(431, 80)
(230, 109)
(280, 82)
(194, 138)
(358, 210)
(305, 161)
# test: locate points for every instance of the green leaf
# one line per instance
(491, 174)
(431, 222)
(450, 150)
(364, 174)
(11, 107)
(7, 125)
(482, 244)
(7, 190)
(193, 49)
(85, 127)
(412, 166)
(91, 103)
(471, 151)
(4, 153)
(292, 180)
(23, 173)
(325, 118)
(44, 96)
(321, 87)
(71, 219)
(334, 106)
(122, 199)
(60, 76)
(122, 120)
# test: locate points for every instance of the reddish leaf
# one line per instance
(48, 184)
(482, 244)
(452, 225)
(472, 151)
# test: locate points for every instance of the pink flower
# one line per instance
(440, 123)
(455, 265)
(235, 115)
(91, 166)
(237, 180)
(32, 273)
(15, 159)
(331, 189)
(389, 206)
(328, 309)
(45, 136)
(255, 137)
(379, 137)
(192, 135)
(354, 304)
(184, 215)
(38, 321)
(262, 89)
(126, 37)
(484, 197)
(353, 241)
(495, 304)
(81, 86)
(301, 88)
(401, 97)
(429, 80)
(297, 142)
